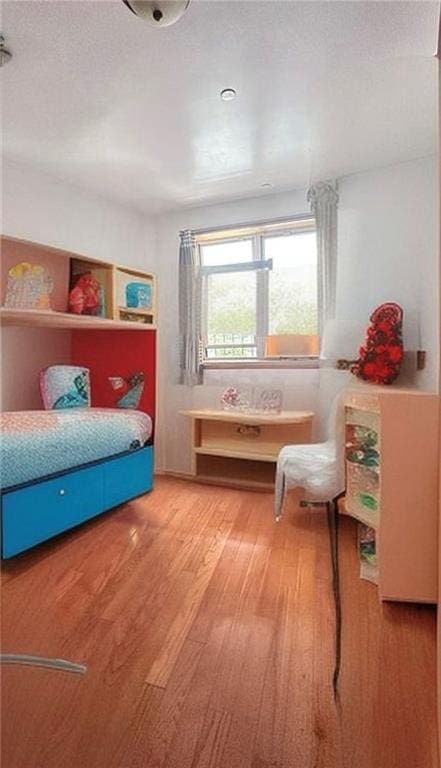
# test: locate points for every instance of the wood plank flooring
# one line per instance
(208, 634)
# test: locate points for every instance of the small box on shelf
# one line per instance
(135, 295)
(135, 315)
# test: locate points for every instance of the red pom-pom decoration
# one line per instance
(381, 355)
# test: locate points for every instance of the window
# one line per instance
(260, 291)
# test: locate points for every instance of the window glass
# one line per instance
(292, 300)
(231, 314)
(235, 252)
(277, 302)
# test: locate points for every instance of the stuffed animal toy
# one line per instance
(84, 298)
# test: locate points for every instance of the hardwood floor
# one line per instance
(208, 635)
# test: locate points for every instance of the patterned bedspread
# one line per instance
(35, 444)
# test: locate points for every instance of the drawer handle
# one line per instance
(248, 431)
(62, 492)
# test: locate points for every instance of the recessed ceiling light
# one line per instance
(267, 185)
(228, 94)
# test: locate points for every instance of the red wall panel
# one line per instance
(117, 353)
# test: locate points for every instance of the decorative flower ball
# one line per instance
(230, 397)
(381, 355)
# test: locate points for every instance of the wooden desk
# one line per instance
(392, 470)
(241, 449)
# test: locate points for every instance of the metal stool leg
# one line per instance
(279, 497)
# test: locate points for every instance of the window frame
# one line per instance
(256, 234)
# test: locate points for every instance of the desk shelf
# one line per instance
(240, 450)
(230, 454)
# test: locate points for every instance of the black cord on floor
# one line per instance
(332, 514)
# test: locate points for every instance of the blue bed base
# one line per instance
(38, 510)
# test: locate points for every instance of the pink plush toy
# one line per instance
(84, 298)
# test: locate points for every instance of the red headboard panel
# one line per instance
(117, 353)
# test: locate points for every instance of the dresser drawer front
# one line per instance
(256, 438)
(37, 512)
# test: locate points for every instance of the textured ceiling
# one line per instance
(99, 98)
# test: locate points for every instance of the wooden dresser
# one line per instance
(392, 469)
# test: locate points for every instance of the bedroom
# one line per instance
(206, 632)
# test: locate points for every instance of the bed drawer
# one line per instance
(128, 476)
(37, 512)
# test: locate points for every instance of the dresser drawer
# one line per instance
(39, 511)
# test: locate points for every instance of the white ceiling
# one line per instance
(99, 98)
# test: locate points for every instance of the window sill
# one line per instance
(281, 363)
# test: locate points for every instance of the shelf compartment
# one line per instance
(367, 548)
(250, 440)
(234, 471)
(363, 418)
(235, 454)
(241, 449)
(363, 494)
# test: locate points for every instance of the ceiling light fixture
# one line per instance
(266, 185)
(228, 94)
(5, 55)
(158, 13)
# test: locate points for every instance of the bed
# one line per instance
(60, 468)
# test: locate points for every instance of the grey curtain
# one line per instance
(190, 310)
(323, 198)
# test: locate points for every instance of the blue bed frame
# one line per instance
(36, 511)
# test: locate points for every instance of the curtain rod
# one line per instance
(251, 224)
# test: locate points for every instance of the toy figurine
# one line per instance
(130, 389)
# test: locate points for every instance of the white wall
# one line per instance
(300, 387)
(25, 351)
(387, 251)
(39, 207)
